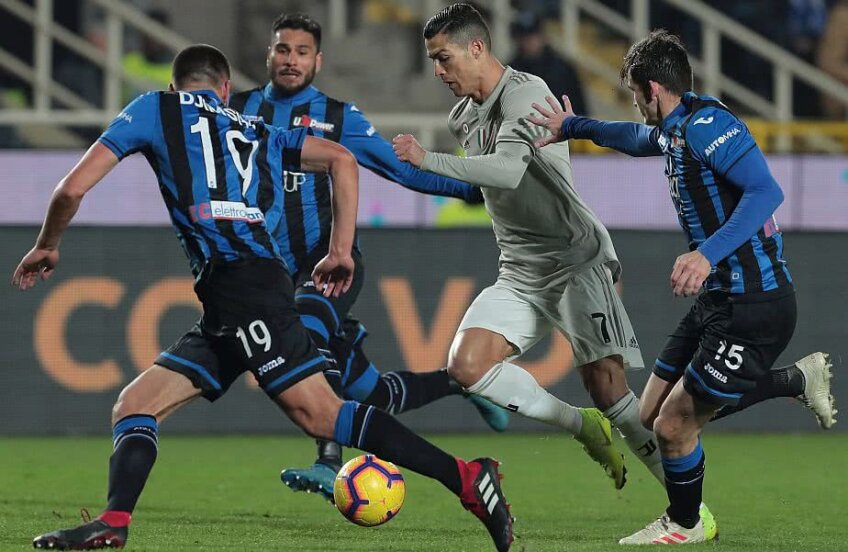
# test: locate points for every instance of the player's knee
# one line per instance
(465, 368)
(669, 430)
(128, 403)
(647, 416)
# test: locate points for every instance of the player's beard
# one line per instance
(290, 90)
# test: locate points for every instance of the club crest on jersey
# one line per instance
(309, 122)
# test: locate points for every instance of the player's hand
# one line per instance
(551, 119)
(688, 275)
(408, 149)
(333, 275)
(37, 263)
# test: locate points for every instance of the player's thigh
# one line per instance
(326, 315)
(498, 324)
(157, 392)
(742, 338)
(679, 348)
(593, 319)
(311, 404)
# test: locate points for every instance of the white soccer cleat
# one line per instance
(817, 396)
(665, 531)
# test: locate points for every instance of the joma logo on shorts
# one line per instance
(268, 366)
(715, 373)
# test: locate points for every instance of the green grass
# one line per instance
(768, 492)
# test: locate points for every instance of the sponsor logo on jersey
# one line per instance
(309, 122)
(270, 365)
(715, 373)
(703, 120)
(225, 210)
(677, 142)
(371, 131)
(125, 116)
(721, 140)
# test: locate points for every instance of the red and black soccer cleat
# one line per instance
(88, 536)
(483, 497)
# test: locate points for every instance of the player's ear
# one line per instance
(171, 87)
(476, 47)
(319, 60)
(226, 88)
(654, 88)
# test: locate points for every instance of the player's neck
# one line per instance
(668, 104)
(489, 80)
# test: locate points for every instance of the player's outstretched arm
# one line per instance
(334, 273)
(43, 257)
(633, 139)
(502, 169)
(374, 152)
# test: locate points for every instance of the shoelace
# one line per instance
(86, 517)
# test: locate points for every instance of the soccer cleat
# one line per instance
(665, 531)
(817, 396)
(710, 525)
(482, 496)
(88, 536)
(317, 478)
(596, 437)
(494, 415)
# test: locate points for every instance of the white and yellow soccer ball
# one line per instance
(369, 491)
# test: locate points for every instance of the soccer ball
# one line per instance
(369, 491)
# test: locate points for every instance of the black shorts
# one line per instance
(249, 323)
(725, 343)
(325, 315)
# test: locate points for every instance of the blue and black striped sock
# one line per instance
(684, 480)
(135, 439)
(398, 392)
(371, 429)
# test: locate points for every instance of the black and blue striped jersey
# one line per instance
(702, 141)
(721, 186)
(208, 160)
(299, 212)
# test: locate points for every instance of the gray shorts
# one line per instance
(586, 309)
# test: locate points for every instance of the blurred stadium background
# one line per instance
(122, 292)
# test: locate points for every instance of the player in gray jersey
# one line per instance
(557, 266)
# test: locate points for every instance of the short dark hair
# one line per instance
(461, 22)
(200, 63)
(660, 57)
(299, 21)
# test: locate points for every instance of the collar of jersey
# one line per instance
(496, 91)
(306, 95)
(678, 112)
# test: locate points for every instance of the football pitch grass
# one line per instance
(768, 492)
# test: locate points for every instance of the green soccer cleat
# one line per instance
(494, 415)
(596, 437)
(709, 523)
(317, 478)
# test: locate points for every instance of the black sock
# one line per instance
(329, 453)
(684, 480)
(375, 431)
(780, 382)
(398, 392)
(135, 439)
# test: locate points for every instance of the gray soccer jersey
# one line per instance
(544, 230)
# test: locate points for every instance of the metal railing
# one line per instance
(120, 16)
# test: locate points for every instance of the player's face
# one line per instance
(453, 64)
(648, 107)
(293, 60)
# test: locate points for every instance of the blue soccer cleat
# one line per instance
(317, 478)
(494, 415)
